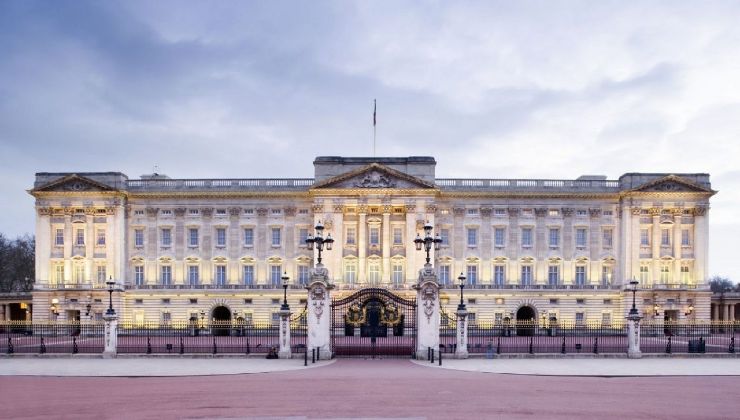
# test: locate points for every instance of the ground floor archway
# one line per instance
(220, 320)
(525, 320)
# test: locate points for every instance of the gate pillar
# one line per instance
(111, 335)
(461, 349)
(633, 336)
(285, 352)
(427, 313)
(319, 312)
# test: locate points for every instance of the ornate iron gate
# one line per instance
(373, 322)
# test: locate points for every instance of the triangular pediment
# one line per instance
(74, 183)
(375, 176)
(671, 183)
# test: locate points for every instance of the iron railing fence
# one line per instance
(299, 332)
(694, 337)
(549, 337)
(198, 337)
(51, 337)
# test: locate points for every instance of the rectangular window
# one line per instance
(607, 238)
(526, 275)
(80, 238)
(59, 273)
(606, 319)
(580, 318)
(444, 274)
(248, 275)
(166, 318)
(472, 236)
(499, 275)
(303, 274)
(302, 236)
(553, 275)
(644, 275)
(498, 237)
(276, 240)
(59, 237)
(553, 212)
(398, 274)
(554, 238)
(374, 274)
(166, 275)
(581, 237)
(101, 276)
(192, 237)
(221, 237)
(606, 275)
(526, 237)
(472, 271)
(79, 273)
(276, 274)
(166, 237)
(645, 237)
(351, 238)
(100, 237)
(374, 236)
(248, 237)
(499, 212)
(221, 275)
(665, 237)
(139, 275)
(444, 234)
(193, 275)
(685, 237)
(665, 274)
(138, 238)
(685, 278)
(397, 236)
(580, 275)
(350, 273)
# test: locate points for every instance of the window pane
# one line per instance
(248, 237)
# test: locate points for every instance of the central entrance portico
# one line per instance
(373, 322)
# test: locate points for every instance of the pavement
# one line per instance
(147, 366)
(604, 367)
(379, 389)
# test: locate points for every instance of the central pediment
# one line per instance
(374, 176)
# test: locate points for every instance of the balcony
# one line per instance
(253, 184)
(212, 287)
(72, 286)
(533, 185)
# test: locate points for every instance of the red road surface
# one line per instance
(371, 388)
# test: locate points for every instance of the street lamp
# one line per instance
(427, 241)
(110, 284)
(202, 318)
(634, 283)
(285, 306)
(461, 306)
(319, 241)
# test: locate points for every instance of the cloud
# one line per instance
(257, 89)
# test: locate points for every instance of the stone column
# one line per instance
(715, 312)
(284, 352)
(677, 251)
(633, 336)
(319, 312)
(427, 312)
(725, 312)
(732, 312)
(111, 335)
(361, 246)
(386, 245)
(2, 312)
(655, 213)
(461, 350)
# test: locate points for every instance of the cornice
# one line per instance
(374, 191)
(220, 194)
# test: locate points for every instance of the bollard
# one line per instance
(432, 356)
(429, 353)
(440, 357)
(313, 355)
(305, 358)
(562, 348)
(732, 345)
(596, 345)
(318, 357)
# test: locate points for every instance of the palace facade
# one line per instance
(528, 248)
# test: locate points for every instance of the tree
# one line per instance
(720, 284)
(17, 259)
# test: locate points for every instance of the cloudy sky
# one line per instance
(257, 89)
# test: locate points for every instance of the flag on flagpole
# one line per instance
(375, 108)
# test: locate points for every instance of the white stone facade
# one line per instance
(179, 248)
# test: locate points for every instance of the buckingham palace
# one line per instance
(528, 249)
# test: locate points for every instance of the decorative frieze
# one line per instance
(431, 209)
(513, 211)
(180, 211)
(235, 211)
(700, 210)
(567, 211)
(458, 211)
(540, 211)
(486, 211)
(207, 211)
(289, 211)
(261, 212)
(594, 212)
(152, 211)
(636, 211)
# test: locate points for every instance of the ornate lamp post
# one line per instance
(285, 279)
(461, 306)
(319, 241)
(633, 311)
(427, 241)
(110, 284)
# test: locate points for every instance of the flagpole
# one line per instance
(375, 108)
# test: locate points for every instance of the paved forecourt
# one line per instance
(599, 366)
(146, 366)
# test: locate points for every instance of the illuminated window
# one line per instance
(100, 274)
(59, 273)
(444, 274)
(100, 238)
(685, 237)
(374, 274)
(607, 271)
(685, 274)
(665, 273)
(398, 274)
(79, 273)
(350, 273)
(644, 274)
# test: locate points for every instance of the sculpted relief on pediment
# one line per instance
(375, 179)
